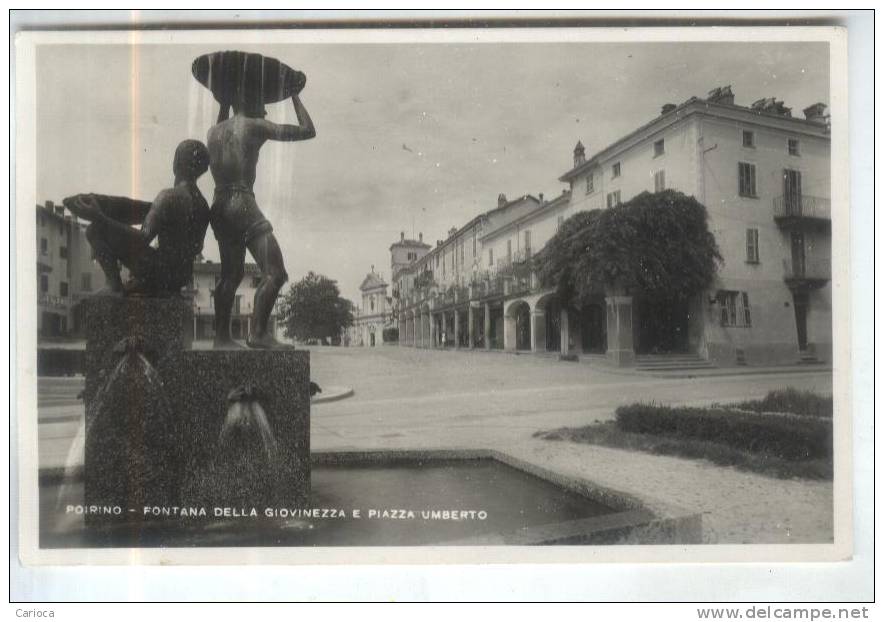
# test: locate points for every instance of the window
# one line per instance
(44, 246)
(86, 282)
(793, 147)
(509, 251)
(44, 283)
(614, 198)
(63, 289)
(659, 148)
(461, 252)
(256, 281)
(371, 302)
(615, 170)
(63, 252)
(590, 184)
(659, 181)
(748, 139)
(735, 309)
(752, 245)
(474, 244)
(746, 175)
(237, 305)
(527, 243)
(491, 257)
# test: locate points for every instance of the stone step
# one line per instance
(671, 362)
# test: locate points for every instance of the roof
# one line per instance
(694, 105)
(563, 198)
(410, 243)
(415, 265)
(372, 281)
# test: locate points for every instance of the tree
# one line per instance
(313, 309)
(658, 244)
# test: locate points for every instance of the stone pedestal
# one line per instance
(158, 322)
(215, 474)
(155, 412)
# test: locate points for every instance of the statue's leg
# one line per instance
(105, 254)
(233, 257)
(265, 249)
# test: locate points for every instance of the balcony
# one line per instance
(53, 302)
(802, 212)
(810, 273)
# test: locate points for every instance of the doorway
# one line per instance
(523, 326)
(553, 320)
(593, 329)
(800, 304)
(798, 254)
(792, 192)
(662, 327)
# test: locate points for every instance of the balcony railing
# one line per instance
(809, 271)
(799, 206)
(50, 300)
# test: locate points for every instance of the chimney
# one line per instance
(579, 154)
(540, 194)
(667, 108)
(817, 113)
(501, 200)
(420, 237)
(50, 206)
(401, 236)
(721, 95)
(452, 231)
(770, 105)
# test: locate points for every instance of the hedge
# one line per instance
(791, 400)
(792, 438)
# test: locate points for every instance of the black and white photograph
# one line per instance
(491, 294)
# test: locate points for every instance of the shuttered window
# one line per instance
(752, 245)
(659, 181)
(735, 310)
(746, 178)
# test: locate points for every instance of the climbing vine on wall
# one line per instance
(657, 244)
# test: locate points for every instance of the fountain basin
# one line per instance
(400, 498)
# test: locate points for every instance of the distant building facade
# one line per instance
(206, 275)
(763, 176)
(374, 315)
(66, 273)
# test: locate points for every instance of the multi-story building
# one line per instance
(763, 176)
(206, 275)
(445, 277)
(66, 272)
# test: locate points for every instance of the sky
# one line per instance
(413, 137)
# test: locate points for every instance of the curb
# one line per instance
(332, 394)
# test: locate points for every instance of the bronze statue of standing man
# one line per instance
(246, 82)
